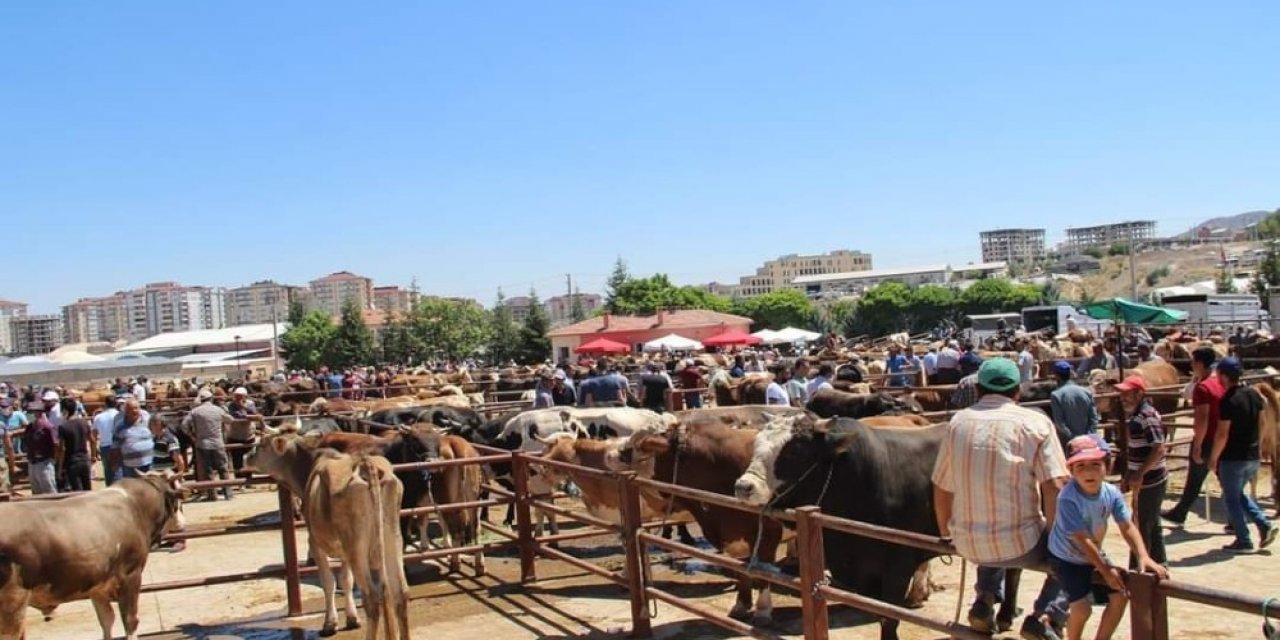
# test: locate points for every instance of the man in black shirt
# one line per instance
(72, 449)
(562, 393)
(1235, 456)
(653, 388)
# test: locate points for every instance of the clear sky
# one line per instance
(483, 144)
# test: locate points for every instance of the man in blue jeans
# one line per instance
(1236, 457)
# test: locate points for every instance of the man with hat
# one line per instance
(1236, 457)
(996, 484)
(209, 423)
(1146, 473)
(241, 431)
(41, 442)
(1074, 411)
(562, 392)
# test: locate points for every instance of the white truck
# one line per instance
(1055, 316)
(1218, 309)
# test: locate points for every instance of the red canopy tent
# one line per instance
(731, 337)
(603, 345)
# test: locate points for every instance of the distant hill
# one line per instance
(1238, 221)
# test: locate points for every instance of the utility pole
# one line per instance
(1133, 273)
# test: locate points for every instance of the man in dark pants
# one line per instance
(1205, 400)
(1146, 473)
(1236, 457)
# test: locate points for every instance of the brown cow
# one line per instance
(711, 458)
(90, 546)
(1157, 374)
(905, 421)
(350, 505)
(828, 403)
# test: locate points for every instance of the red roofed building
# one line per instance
(698, 324)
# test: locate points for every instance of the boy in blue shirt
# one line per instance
(1075, 542)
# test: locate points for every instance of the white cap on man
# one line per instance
(240, 391)
(204, 395)
(50, 396)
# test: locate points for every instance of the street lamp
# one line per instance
(237, 354)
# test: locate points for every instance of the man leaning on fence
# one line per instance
(996, 484)
(209, 422)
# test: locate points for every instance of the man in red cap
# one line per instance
(1146, 473)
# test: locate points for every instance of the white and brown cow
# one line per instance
(351, 505)
(92, 546)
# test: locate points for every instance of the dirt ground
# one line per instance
(566, 603)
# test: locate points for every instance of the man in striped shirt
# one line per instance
(996, 484)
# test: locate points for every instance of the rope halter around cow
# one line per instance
(755, 548)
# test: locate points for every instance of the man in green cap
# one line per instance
(996, 484)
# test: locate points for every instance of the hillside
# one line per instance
(1186, 266)
(1235, 223)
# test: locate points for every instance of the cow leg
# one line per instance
(764, 608)
(348, 598)
(374, 596)
(321, 559)
(742, 607)
(894, 583)
(920, 587)
(127, 596)
(13, 606)
(106, 615)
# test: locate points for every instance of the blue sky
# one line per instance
(483, 144)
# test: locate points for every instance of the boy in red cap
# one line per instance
(1075, 542)
(1146, 473)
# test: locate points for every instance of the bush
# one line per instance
(1156, 274)
(1118, 249)
(1094, 252)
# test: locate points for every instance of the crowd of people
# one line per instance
(1015, 488)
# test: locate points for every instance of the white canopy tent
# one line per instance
(672, 342)
(767, 336)
(792, 334)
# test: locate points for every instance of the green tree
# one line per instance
(577, 313)
(535, 346)
(450, 328)
(504, 333)
(1224, 282)
(928, 305)
(1269, 227)
(1268, 276)
(640, 296)
(997, 295)
(1095, 252)
(776, 309)
(306, 343)
(352, 342)
(880, 311)
(617, 280)
(1118, 249)
(295, 313)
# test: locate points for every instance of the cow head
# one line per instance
(906, 402)
(638, 452)
(169, 484)
(802, 459)
(757, 484)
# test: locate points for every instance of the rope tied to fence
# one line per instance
(754, 561)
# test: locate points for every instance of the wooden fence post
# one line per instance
(812, 566)
(632, 518)
(1148, 608)
(289, 538)
(524, 524)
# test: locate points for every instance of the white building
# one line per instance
(1012, 245)
(104, 319)
(165, 307)
(857, 282)
(329, 293)
(8, 311)
(36, 335)
(782, 272)
(261, 302)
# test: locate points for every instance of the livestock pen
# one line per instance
(1149, 615)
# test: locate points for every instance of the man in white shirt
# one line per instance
(1026, 364)
(139, 391)
(104, 424)
(774, 394)
(948, 365)
(821, 381)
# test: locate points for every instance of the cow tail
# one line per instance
(381, 545)
(6, 568)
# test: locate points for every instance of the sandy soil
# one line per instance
(565, 603)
